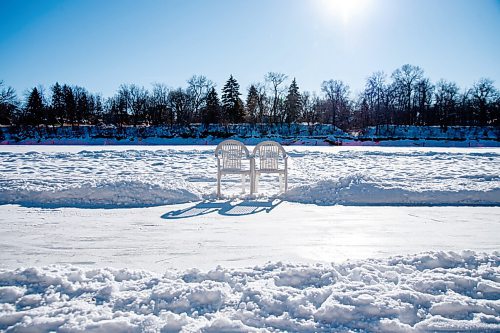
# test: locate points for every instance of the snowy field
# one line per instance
(121, 239)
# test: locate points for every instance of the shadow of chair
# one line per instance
(226, 208)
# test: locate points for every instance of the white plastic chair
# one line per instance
(272, 159)
(230, 155)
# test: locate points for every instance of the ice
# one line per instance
(351, 296)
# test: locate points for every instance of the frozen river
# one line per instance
(155, 208)
(120, 239)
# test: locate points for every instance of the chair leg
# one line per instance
(252, 176)
(282, 185)
(243, 183)
(252, 184)
(286, 181)
(218, 185)
(256, 181)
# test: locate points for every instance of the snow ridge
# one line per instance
(353, 190)
(360, 190)
(106, 194)
(426, 292)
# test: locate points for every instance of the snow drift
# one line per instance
(132, 193)
(352, 190)
(435, 291)
(355, 190)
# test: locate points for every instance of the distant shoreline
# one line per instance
(299, 135)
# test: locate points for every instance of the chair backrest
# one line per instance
(231, 152)
(269, 154)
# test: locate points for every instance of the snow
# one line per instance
(101, 239)
(236, 234)
(454, 133)
(110, 177)
(432, 291)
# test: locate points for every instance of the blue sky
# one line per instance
(102, 44)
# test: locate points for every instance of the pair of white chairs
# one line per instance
(233, 158)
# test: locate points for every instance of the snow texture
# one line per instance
(433, 291)
(120, 177)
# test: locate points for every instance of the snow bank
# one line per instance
(453, 133)
(351, 191)
(356, 190)
(436, 291)
(133, 193)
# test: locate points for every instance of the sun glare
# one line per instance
(344, 10)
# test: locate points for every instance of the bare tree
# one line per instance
(405, 80)
(374, 96)
(337, 95)
(263, 103)
(138, 104)
(124, 103)
(179, 103)
(310, 109)
(483, 96)
(8, 103)
(424, 93)
(276, 79)
(159, 112)
(446, 99)
(198, 88)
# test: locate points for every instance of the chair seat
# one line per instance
(269, 171)
(235, 171)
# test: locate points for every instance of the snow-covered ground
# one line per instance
(125, 239)
(236, 234)
(120, 176)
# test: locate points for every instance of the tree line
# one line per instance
(406, 97)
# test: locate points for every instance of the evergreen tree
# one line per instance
(34, 112)
(252, 104)
(58, 105)
(82, 108)
(82, 111)
(212, 109)
(70, 104)
(293, 103)
(231, 102)
(96, 108)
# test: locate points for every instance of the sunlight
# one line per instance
(345, 10)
